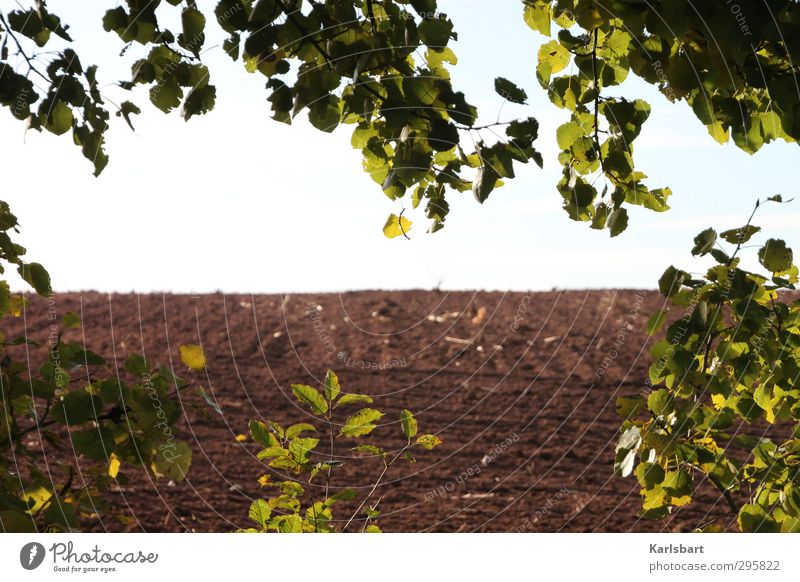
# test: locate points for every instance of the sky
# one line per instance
(236, 202)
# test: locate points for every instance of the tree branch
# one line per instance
(20, 50)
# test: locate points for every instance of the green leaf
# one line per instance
(629, 406)
(361, 423)
(443, 136)
(126, 109)
(537, 16)
(523, 129)
(210, 400)
(232, 15)
(776, 256)
(115, 19)
(790, 525)
(71, 320)
(740, 235)
(484, 183)
(310, 397)
(37, 277)
(649, 475)
(17, 522)
(660, 402)
(260, 512)
(396, 226)
(509, 91)
(300, 449)
(59, 120)
(349, 399)
(262, 434)
(290, 524)
(435, 32)
(264, 11)
(299, 428)
(292, 488)
(272, 452)
(617, 221)
(408, 423)
(370, 450)
(95, 443)
(704, 242)
(553, 58)
(656, 322)
(791, 500)
(77, 407)
(325, 114)
(671, 281)
(752, 518)
(193, 22)
(678, 483)
(173, 462)
(199, 101)
(166, 95)
(332, 388)
(567, 134)
(344, 495)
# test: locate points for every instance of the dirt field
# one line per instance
(478, 369)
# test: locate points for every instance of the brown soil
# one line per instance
(534, 382)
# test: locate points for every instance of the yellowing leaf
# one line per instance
(192, 355)
(240, 438)
(113, 466)
(396, 226)
(718, 132)
(428, 441)
(36, 498)
(361, 423)
(310, 397)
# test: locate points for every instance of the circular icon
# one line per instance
(31, 555)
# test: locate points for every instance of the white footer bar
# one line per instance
(401, 557)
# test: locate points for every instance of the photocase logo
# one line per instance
(31, 555)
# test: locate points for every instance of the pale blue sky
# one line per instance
(234, 201)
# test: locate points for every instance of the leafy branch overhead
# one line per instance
(384, 68)
(735, 71)
(381, 67)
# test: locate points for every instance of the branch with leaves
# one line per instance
(727, 368)
(297, 461)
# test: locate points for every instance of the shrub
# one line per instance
(723, 397)
(74, 408)
(301, 459)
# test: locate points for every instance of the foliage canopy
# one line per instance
(382, 66)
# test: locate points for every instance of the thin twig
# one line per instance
(375, 486)
(20, 50)
(371, 15)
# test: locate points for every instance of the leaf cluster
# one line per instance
(722, 405)
(303, 460)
